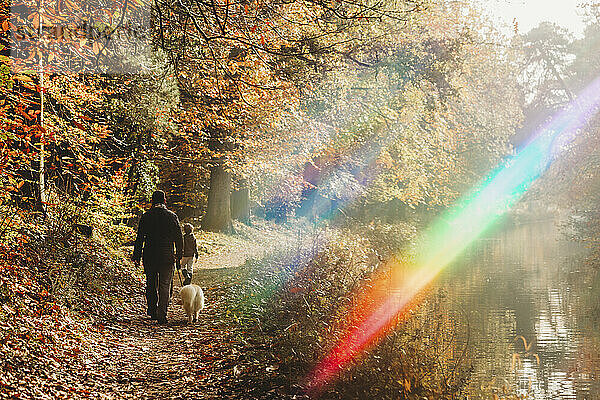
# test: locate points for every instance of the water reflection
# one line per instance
(522, 292)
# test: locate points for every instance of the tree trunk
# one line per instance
(42, 182)
(240, 204)
(218, 212)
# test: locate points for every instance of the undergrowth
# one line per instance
(293, 309)
(55, 285)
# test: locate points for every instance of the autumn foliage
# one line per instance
(364, 113)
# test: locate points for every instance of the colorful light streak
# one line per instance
(456, 230)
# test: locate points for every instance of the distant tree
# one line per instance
(546, 78)
(575, 177)
(564, 66)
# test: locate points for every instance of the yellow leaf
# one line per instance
(36, 21)
(23, 78)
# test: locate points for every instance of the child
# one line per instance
(190, 252)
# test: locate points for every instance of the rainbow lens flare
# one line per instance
(459, 227)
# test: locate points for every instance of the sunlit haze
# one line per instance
(316, 199)
(529, 13)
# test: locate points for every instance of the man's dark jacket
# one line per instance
(158, 230)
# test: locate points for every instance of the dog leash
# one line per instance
(178, 268)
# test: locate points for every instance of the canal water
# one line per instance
(524, 300)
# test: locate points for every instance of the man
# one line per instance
(159, 235)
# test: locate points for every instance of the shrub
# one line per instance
(296, 307)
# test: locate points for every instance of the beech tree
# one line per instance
(242, 66)
(418, 121)
(47, 48)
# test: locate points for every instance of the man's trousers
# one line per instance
(158, 289)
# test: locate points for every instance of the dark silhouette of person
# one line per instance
(159, 244)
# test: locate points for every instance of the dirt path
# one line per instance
(134, 358)
(217, 250)
(106, 348)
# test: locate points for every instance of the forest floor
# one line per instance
(131, 357)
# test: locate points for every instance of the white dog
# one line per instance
(192, 297)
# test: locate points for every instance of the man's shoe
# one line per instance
(162, 321)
